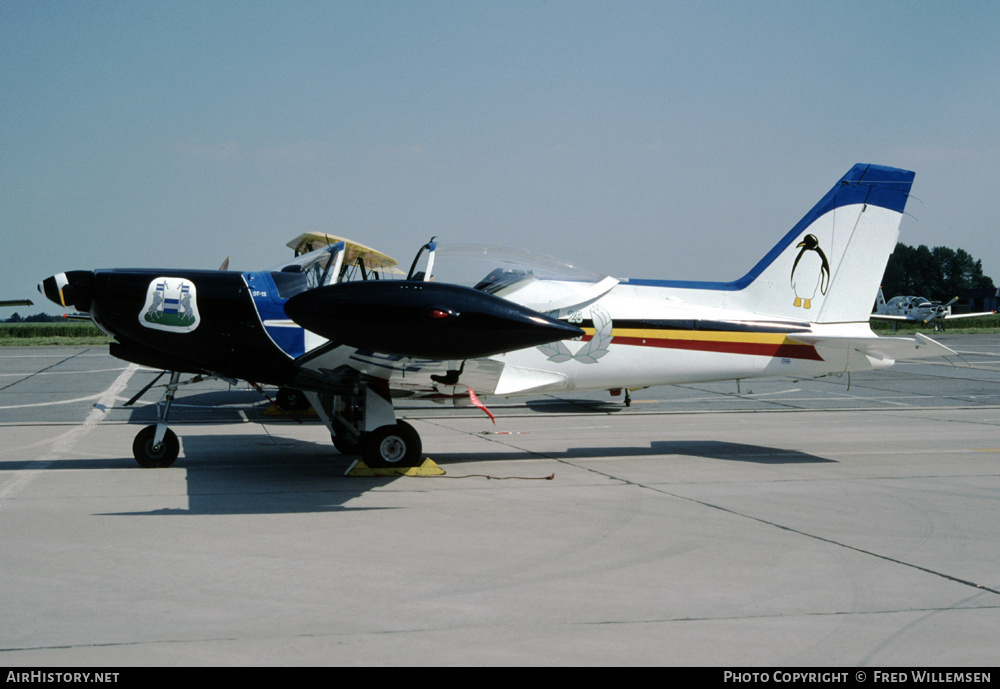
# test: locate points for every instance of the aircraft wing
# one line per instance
(886, 317)
(373, 258)
(969, 315)
(896, 348)
(334, 366)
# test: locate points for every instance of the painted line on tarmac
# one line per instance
(65, 373)
(63, 444)
(32, 375)
(98, 396)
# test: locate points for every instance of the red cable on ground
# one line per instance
(495, 478)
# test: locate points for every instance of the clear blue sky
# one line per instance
(641, 139)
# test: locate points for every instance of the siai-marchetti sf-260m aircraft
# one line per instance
(334, 324)
(918, 310)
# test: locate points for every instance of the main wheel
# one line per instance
(345, 442)
(155, 458)
(291, 399)
(392, 446)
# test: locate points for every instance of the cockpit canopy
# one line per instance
(539, 282)
(908, 303)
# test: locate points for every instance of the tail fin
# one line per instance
(880, 300)
(828, 267)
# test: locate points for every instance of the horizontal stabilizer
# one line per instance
(928, 319)
(895, 348)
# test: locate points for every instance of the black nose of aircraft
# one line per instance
(423, 319)
(74, 288)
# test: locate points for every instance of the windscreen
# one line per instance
(533, 280)
(498, 268)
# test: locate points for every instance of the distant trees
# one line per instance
(938, 274)
(36, 318)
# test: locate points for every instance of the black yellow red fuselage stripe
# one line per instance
(756, 339)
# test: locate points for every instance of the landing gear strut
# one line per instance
(156, 446)
(345, 439)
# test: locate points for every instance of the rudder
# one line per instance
(827, 269)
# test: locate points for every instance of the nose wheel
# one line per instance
(152, 455)
(156, 446)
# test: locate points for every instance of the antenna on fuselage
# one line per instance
(429, 246)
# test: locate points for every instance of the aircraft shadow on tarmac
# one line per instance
(237, 474)
(574, 406)
(225, 476)
(709, 449)
(307, 477)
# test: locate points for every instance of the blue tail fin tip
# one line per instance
(865, 183)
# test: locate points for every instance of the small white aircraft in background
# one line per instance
(918, 310)
(334, 324)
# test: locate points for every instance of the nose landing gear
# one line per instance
(151, 454)
(156, 446)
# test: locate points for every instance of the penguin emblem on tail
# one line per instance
(813, 274)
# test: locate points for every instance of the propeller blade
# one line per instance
(72, 288)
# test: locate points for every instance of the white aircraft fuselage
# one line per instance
(351, 346)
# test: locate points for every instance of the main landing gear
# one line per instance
(361, 423)
(366, 424)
